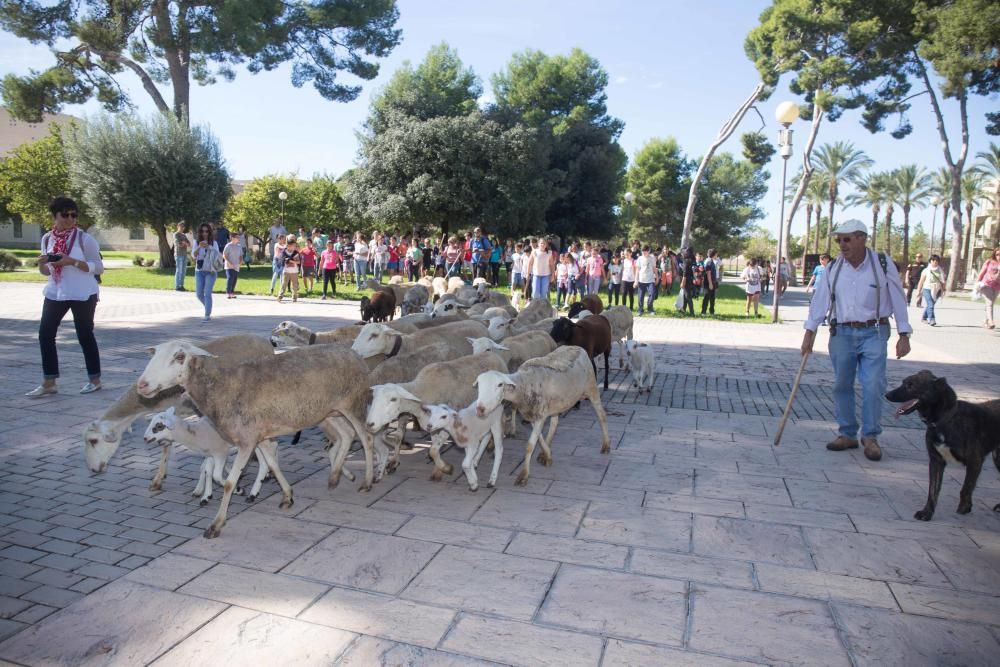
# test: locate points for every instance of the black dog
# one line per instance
(957, 432)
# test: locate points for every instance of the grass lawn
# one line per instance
(729, 304)
(31, 253)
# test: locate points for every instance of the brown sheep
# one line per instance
(591, 302)
(379, 308)
(592, 333)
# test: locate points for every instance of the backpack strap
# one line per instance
(884, 262)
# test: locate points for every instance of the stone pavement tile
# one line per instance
(245, 637)
(623, 605)
(14, 586)
(354, 516)
(799, 517)
(800, 472)
(9, 628)
(372, 652)
(637, 526)
(695, 505)
(736, 452)
(381, 563)
(483, 581)
(721, 571)
(630, 654)
(658, 479)
(35, 613)
(260, 541)
(52, 596)
(986, 539)
(10, 607)
(603, 493)
(873, 557)
(522, 644)
(525, 511)
(438, 500)
(876, 637)
(769, 628)
(750, 540)
(747, 488)
(967, 568)
(847, 498)
(949, 604)
(124, 623)
(568, 469)
(263, 591)
(684, 462)
(824, 586)
(381, 616)
(456, 532)
(568, 550)
(927, 532)
(315, 487)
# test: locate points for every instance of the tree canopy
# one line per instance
(32, 174)
(96, 42)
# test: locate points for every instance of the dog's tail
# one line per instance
(996, 458)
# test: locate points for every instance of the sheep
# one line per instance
(515, 350)
(471, 433)
(439, 285)
(454, 283)
(291, 334)
(540, 325)
(396, 280)
(198, 435)
(621, 320)
(483, 311)
(445, 307)
(379, 308)
(543, 388)
(643, 364)
(102, 437)
(498, 328)
(515, 301)
(414, 300)
(537, 309)
(593, 334)
(337, 381)
(591, 302)
(427, 282)
(377, 338)
(446, 382)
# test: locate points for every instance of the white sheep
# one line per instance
(198, 435)
(439, 285)
(621, 320)
(642, 362)
(537, 309)
(543, 388)
(455, 283)
(538, 325)
(427, 282)
(515, 350)
(515, 300)
(246, 413)
(102, 437)
(376, 338)
(470, 433)
(292, 334)
(449, 307)
(414, 300)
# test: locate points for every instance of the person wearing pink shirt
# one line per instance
(330, 261)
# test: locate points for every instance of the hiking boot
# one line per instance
(841, 443)
(872, 451)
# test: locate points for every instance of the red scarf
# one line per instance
(62, 238)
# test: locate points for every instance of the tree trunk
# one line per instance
(944, 227)
(829, 220)
(969, 231)
(995, 232)
(807, 168)
(805, 246)
(724, 133)
(906, 234)
(930, 239)
(956, 274)
(888, 232)
(875, 210)
(166, 251)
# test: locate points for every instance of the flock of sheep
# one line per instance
(463, 366)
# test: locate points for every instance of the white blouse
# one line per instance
(75, 285)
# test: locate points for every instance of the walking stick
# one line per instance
(791, 397)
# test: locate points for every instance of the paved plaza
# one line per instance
(694, 542)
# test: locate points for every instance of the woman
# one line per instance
(508, 259)
(541, 265)
(751, 277)
(687, 280)
(277, 262)
(930, 286)
(614, 280)
(71, 259)
(453, 255)
(233, 255)
(496, 256)
(361, 253)
(989, 276)
(207, 262)
(628, 279)
(244, 239)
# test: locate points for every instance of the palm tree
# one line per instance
(990, 168)
(871, 192)
(913, 187)
(815, 196)
(972, 184)
(890, 197)
(842, 162)
(941, 189)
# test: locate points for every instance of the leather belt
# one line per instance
(882, 321)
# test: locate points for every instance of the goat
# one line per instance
(591, 302)
(593, 334)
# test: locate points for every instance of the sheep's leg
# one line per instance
(496, 429)
(340, 438)
(441, 468)
(545, 456)
(512, 429)
(468, 462)
(242, 456)
(367, 445)
(594, 395)
(381, 453)
(262, 469)
(161, 472)
(536, 430)
(607, 367)
(204, 474)
(205, 480)
(269, 449)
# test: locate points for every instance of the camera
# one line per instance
(54, 256)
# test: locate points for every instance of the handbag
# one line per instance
(679, 303)
(218, 264)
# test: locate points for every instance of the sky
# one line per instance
(675, 69)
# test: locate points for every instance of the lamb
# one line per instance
(439, 285)
(593, 334)
(591, 302)
(379, 308)
(471, 433)
(337, 381)
(515, 350)
(447, 382)
(102, 436)
(643, 364)
(427, 282)
(454, 283)
(543, 388)
(414, 300)
(621, 320)
(377, 338)
(198, 435)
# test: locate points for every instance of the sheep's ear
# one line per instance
(407, 395)
(426, 409)
(151, 350)
(498, 346)
(199, 352)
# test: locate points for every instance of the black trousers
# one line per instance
(53, 313)
(689, 299)
(614, 293)
(329, 280)
(628, 292)
(231, 276)
(708, 302)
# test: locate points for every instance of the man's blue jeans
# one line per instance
(182, 263)
(360, 272)
(861, 353)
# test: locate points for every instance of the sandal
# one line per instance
(90, 388)
(42, 390)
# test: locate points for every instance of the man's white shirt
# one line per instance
(856, 294)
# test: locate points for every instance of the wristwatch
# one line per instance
(904, 335)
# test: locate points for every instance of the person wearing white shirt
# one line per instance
(71, 259)
(277, 229)
(628, 279)
(360, 260)
(645, 276)
(858, 292)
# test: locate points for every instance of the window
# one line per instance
(137, 234)
(18, 229)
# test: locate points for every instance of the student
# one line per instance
(614, 280)
(361, 253)
(453, 255)
(277, 261)
(541, 264)
(182, 248)
(751, 278)
(516, 270)
(290, 274)
(563, 279)
(628, 279)
(414, 260)
(595, 272)
(931, 286)
(308, 258)
(817, 273)
(330, 260)
(233, 256)
(645, 277)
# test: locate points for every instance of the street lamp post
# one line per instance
(629, 199)
(282, 196)
(786, 113)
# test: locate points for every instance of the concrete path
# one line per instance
(694, 542)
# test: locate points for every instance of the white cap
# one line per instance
(850, 227)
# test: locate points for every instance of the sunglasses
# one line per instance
(69, 214)
(844, 239)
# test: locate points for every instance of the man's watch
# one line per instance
(904, 335)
